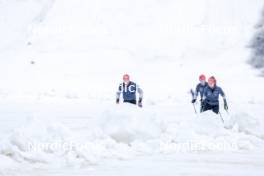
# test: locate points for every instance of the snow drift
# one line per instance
(124, 132)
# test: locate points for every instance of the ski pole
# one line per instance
(221, 117)
(192, 93)
(194, 108)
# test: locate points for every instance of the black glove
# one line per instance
(117, 101)
(140, 102)
(194, 100)
(225, 105)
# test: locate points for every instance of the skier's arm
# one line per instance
(222, 93)
(203, 96)
(118, 93)
(195, 95)
(140, 92)
(196, 92)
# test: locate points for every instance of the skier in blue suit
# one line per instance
(128, 89)
(210, 99)
(200, 89)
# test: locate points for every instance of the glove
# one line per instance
(225, 105)
(140, 103)
(117, 101)
(194, 100)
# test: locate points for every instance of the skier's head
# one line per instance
(212, 82)
(202, 79)
(126, 78)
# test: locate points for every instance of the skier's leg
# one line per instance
(216, 109)
(202, 108)
(131, 101)
(206, 107)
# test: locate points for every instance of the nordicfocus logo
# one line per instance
(130, 88)
(196, 146)
(62, 146)
(191, 146)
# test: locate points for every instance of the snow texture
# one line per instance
(61, 63)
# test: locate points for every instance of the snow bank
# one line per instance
(48, 141)
(130, 124)
(207, 132)
(248, 124)
(122, 132)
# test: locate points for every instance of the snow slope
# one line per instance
(61, 62)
